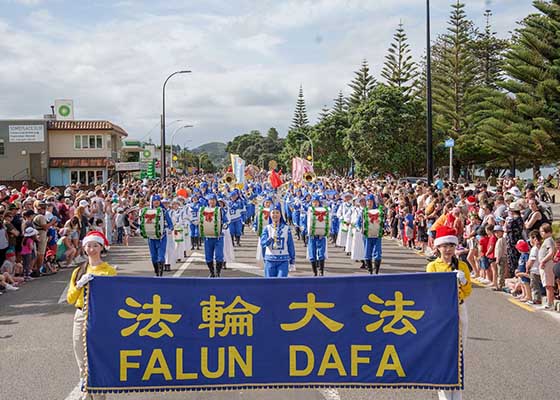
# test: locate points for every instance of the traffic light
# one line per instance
(151, 169)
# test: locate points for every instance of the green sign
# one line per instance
(151, 173)
(147, 153)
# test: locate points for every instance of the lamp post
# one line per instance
(163, 169)
(311, 143)
(429, 151)
(173, 135)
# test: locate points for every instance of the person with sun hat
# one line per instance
(94, 242)
(446, 243)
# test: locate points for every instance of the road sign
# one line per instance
(449, 142)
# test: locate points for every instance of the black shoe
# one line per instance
(211, 269)
(369, 266)
(314, 267)
(218, 269)
(322, 267)
(363, 266)
(224, 265)
(156, 268)
(377, 266)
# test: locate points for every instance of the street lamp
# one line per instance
(163, 169)
(429, 151)
(173, 135)
(311, 143)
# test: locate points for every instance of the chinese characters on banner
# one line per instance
(185, 334)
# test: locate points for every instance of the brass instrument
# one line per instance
(229, 179)
(309, 177)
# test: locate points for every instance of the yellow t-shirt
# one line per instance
(439, 265)
(76, 295)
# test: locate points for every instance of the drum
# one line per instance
(372, 225)
(152, 223)
(318, 221)
(178, 234)
(262, 220)
(210, 222)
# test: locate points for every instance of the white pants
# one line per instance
(464, 324)
(79, 353)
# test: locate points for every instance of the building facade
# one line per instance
(24, 150)
(83, 151)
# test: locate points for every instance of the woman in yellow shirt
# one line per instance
(446, 242)
(93, 243)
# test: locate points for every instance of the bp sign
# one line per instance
(64, 110)
(147, 153)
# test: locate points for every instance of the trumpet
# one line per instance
(229, 179)
(309, 177)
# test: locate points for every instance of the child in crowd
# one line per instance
(547, 252)
(472, 243)
(490, 254)
(10, 269)
(533, 267)
(500, 256)
(409, 227)
(49, 266)
(521, 271)
(27, 251)
(421, 232)
(483, 262)
(120, 225)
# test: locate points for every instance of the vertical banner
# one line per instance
(300, 167)
(386, 331)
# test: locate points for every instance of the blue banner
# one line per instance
(386, 331)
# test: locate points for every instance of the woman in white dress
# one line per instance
(229, 252)
(170, 257)
(358, 250)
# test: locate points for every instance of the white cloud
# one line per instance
(248, 60)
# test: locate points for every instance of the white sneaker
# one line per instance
(11, 288)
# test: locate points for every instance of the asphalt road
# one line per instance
(511, 352)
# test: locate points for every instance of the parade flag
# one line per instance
(238, 168)
(387, 331)
(275, 179)
(299, 168)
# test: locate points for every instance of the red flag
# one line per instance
(275, 179)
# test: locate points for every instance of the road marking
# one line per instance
(193, 257)
(75, 394)
(62, 298)
(521, 304)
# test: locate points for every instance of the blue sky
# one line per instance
(248, 57)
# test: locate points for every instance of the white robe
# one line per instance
(170, 257)
(344, 213)
(229, 253)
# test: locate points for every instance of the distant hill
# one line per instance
(216, 152)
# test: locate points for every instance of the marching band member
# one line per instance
(177, 216)
(158, 247)
(193, 210)
(317, 244)
(235, 216)
(333, 205)
(93, 243)
(261, 221)
(446, 243)
(280, 251)
(170, 253)
(344, 215)
(371, 224)
(213, 234)
(303, 217)
(229, 253)
(357, 249)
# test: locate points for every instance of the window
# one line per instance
(88, 142)
(87, 177)
(2, 149)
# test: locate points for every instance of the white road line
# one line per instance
(75, 394)
(62, 298)
(193, 257)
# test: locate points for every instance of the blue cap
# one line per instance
(204, 184)
(370, 197)
(211, 196)
(316, 197)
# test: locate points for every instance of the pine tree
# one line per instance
(362, 85)
(454, 82)
(325, 112)
(534, 77)
(489, 50)
(300, 114)
(399, 70)
(340, 104)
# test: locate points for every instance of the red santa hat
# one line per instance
(445, 235)
(97, 237)
(470, 200)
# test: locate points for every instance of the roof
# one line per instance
(85, 125)
(63, 162)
